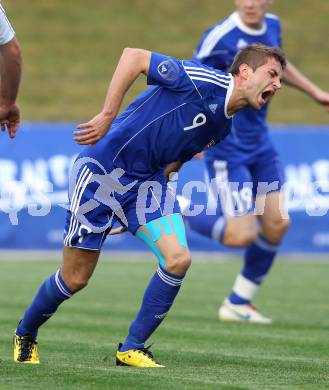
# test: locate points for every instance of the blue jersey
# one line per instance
(181, 114)
(217, 48)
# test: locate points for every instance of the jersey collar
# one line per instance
(250, 31)
(228, 95)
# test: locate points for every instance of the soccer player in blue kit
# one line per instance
(247, 158)
(122, 176)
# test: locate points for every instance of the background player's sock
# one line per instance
(259, 258)
(207, 225)
(157, 300)
(50, 295)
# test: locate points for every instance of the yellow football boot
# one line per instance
(25, 350)
(136, 358)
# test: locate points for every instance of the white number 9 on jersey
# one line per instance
(198, 120)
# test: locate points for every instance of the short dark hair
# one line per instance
(256, 55)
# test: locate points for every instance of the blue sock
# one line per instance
(158, 298)
(258, 261)
(50, 295)
(210, 226)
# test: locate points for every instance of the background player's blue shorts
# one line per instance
(99, 200)
(233, 185)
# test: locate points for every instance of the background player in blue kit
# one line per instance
(122, 177)
(246, 158)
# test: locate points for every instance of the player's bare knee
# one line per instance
(178, 262)
(239, 238)
(275, 229)
(76, 281)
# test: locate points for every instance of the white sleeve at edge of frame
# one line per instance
(6, 31)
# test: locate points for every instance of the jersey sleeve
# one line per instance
(167, 72)
(212, 49)
(274, 24)
(6, 31)
(279, 33)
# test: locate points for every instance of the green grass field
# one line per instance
(71, 49)
(78, 345)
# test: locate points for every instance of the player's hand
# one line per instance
(322, 97)
(171, 169)
(199, 156)
(118, 230)
(90, 132)
(10, 119)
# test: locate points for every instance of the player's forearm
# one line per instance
(10, 69)
(294, 78)
(132, 63)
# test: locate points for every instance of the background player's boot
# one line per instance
(241, 313)
(25, 350)
(136, 358)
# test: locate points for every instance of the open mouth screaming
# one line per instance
(266, 95)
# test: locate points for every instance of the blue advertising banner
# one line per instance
(34, 171)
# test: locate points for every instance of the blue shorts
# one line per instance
(233, 186)
(99, 199)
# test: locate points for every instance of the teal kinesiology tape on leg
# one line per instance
(179, 228)
(166, 224)
(154, 228)
(152, 245)
(170, 224)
